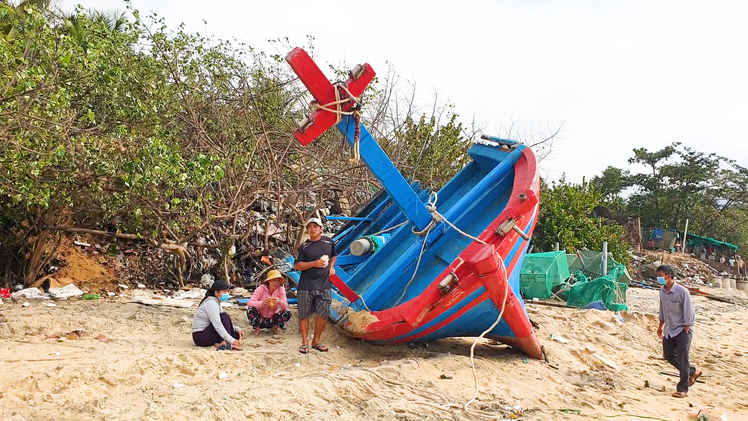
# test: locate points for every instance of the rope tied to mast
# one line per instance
(336, 108)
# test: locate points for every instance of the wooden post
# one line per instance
(639, 229)
(685, 238)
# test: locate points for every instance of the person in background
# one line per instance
(741, 267)
(268, 307)
(722, 259)
(211, 326)
(732, 261)
(676, 322)
(316, 261)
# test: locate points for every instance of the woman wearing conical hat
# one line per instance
(268, 307)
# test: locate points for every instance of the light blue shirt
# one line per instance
(676, 309)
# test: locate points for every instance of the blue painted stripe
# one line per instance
(452, 310)
(347, 218)
(472, 323)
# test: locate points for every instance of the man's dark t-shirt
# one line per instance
(315, 278)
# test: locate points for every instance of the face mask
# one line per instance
(225, 297)
(661, 280)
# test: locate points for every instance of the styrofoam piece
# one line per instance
(67, 291)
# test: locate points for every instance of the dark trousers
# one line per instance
(675, 350)
(209, 336)
(278, 319)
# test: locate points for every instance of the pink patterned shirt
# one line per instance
(262, 293)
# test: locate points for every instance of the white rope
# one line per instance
(472, 348)
(390, 229)
(339, 113)
(436, 218)
(432, 209)
(418, 263)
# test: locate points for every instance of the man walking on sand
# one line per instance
(316, 261)
(676, 322)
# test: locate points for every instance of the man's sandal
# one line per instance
(694, 377)
(320, 347)
(680, 395)
(304, 349)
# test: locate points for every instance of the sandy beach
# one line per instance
(115, 360)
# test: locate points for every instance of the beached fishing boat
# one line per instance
(415, 265)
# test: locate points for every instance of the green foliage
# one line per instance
(681, 183)
(564, 218)
(126, 125)
(610, 185)
(430, 153)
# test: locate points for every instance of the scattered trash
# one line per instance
(606, 361)
(90, 297)
(51, 305)
(558, 338)
(178, 385)
(26, 304)
(123, 286)
(166, 302)
(620, 318)
(141, 286)
(222, 375)
(445, 377)
(709, 414)
(224, 304)
(81, 243)
(206, 281)
(192, 294)
(67, 291)
(111, 294)
(4, 292)
(595, 305)
(27, 293)
(659, 388)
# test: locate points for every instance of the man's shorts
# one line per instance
(314, 301)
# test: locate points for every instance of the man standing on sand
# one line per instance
(676, 321)
(316, 261)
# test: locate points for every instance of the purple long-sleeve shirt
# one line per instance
(676, 310)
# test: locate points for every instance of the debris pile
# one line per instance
(689, 269)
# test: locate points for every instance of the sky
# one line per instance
(617, 75)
